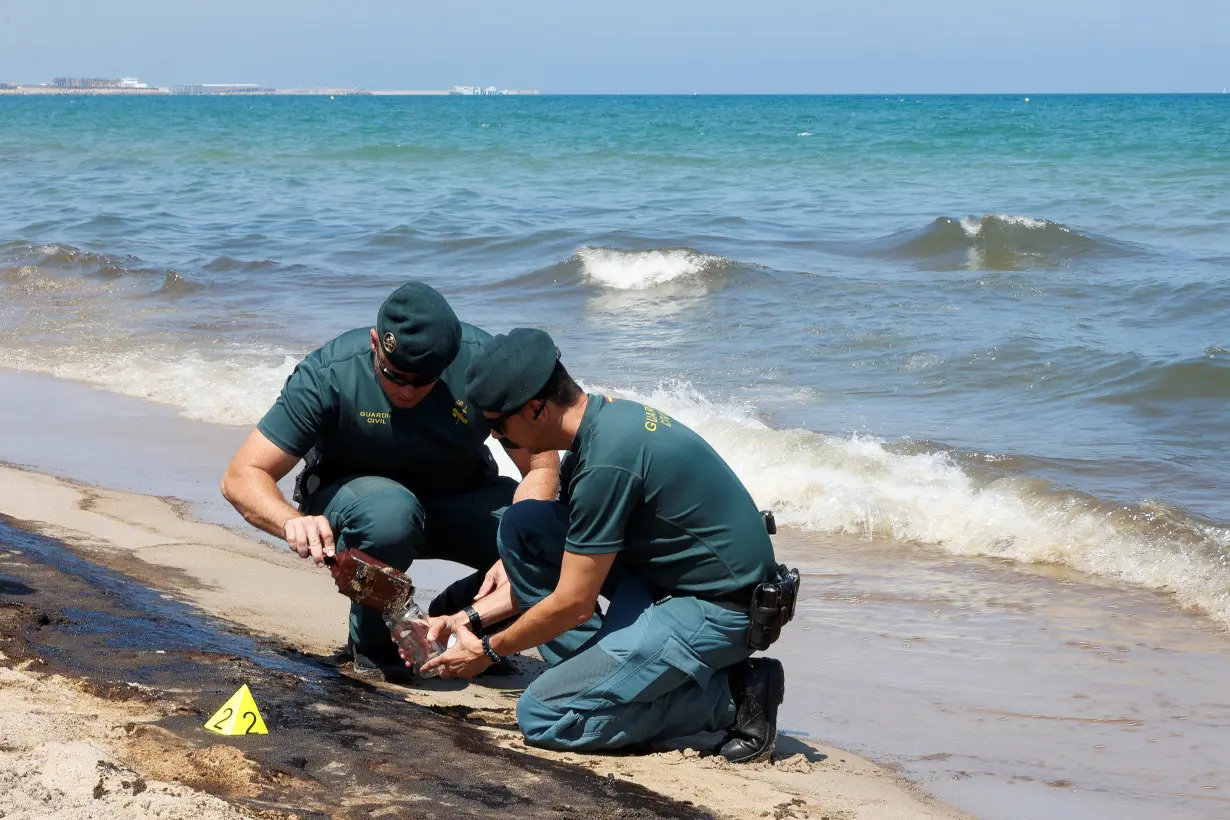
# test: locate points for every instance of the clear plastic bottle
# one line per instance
(410, 631)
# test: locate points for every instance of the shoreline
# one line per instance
(155, 542)
(1007, 691)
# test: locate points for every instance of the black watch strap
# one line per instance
(495, 657)
(476, 621)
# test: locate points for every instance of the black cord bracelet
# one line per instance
(495, 657)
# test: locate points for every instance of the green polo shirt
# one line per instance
(333, 401)
(643, 485)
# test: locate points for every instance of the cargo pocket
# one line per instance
(681, 656)
(678, 665)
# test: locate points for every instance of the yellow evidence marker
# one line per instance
(238, 716)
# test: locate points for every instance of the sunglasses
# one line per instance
(405, 381)
(497, 424)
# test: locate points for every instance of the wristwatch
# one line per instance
(494, 656)
(476, 621)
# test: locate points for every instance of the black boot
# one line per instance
(758, 686)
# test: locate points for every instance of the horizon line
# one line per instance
(325, 90)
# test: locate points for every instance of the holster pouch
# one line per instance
(772, 608)
(309, 479)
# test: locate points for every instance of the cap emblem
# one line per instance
(389, 342)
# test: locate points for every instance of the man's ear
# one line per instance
(540, 409)
(372, 338)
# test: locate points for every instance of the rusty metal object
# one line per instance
(371, 582)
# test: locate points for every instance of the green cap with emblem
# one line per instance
(418, 331)
(510, 370)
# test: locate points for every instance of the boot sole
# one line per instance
(766, 751)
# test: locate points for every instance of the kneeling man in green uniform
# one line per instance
(396, 460)
(653, 519)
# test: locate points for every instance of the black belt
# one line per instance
(739, 600)
(769, 604)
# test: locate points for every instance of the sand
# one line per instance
(67, 753)
(62, 755)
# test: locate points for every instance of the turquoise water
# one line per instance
(989, 325)
(941, 328)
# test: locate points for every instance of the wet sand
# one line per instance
(173, 616)
(1016, 691)
(336, 747)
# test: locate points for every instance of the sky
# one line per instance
(633, 46)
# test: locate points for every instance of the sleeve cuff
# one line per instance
(592, 549)
(281, 443)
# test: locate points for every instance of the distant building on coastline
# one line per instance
(127, 86)
(88, 86)
(99, 82)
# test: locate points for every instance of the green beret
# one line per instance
(417, 330)
(510, 370)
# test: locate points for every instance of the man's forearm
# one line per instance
(541, 482)
(547, 619)
(258, 499)
(497, 606)
(541, 485)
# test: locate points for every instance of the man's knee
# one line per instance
(539, 721)
(380, 516)
(531, 522)
(550, 726)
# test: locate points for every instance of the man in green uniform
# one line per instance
(650, 517)
(396, 461)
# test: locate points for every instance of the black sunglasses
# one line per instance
(405, 381)
(497, 424)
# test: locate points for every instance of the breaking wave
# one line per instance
(995, 242)
(645, 269)
(107, 321)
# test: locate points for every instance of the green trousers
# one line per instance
(389, 522)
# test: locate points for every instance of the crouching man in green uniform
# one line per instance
(396, 461)
(654, 520)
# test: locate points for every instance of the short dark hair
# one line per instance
(561, 388)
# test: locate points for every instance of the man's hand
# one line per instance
(495, 578)
(423, 633)
(441, 627)
(464, 660)
(310, 535)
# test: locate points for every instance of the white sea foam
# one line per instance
(973, 225)
(857, 486)
(853, 485)
(641, 270)
(236, 388)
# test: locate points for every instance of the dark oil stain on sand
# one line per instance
(336, 747)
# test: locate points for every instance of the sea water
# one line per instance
(957, 344)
